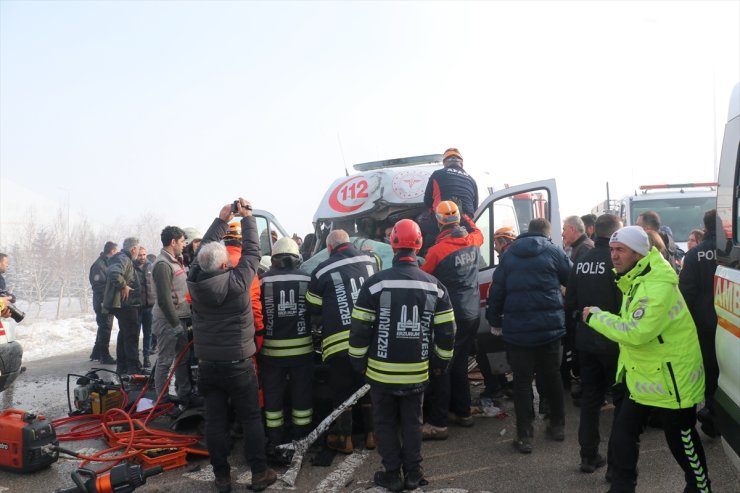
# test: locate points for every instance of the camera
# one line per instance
(235, 207)
(15, 313)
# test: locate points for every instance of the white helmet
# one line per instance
(285, 245)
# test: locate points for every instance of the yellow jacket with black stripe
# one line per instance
(659, 350)
(402, 323)
(334, 286)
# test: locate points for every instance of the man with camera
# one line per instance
(223, 337)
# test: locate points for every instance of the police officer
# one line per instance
(591, 283)
(402, 325)
(696, 283)
(287, 350)
(453, 259)
(335, 284)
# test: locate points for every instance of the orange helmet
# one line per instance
(505, 232)
(234, 232)
(406, 234)
(447, 213)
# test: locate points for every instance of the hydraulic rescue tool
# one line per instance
(123, 478)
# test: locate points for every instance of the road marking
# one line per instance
(340, 477)
(463, 473)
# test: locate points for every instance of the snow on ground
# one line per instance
(43, 337)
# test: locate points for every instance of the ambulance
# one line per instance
(381, 193)
(727, 285)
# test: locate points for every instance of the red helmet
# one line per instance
(406, 234)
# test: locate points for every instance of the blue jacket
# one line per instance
(524, 299)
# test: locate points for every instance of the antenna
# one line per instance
(341, 151)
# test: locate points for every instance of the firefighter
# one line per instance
(335, 284)
(402, 325)
(287, 350)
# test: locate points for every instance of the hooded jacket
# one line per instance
(223, 326)
(659, 351)
(524, 299)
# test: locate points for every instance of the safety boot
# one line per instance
(390, 480)
(341, 439)
(367, 419)
(414, 478)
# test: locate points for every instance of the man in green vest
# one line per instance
(659, 360)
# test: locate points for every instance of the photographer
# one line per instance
(223, 337)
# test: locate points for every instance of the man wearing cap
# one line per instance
(659, 359)
(453, 259)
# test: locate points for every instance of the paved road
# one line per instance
(471, 460)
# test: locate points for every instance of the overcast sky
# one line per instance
(123, 108)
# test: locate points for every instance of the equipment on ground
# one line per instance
(295, 451)
(123, 478)
(93, 395)
(27, 442)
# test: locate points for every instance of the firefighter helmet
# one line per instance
(406, 234)
(285, 245)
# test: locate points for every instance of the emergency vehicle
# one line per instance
(680, 206)
(383, 192)
(727, 285)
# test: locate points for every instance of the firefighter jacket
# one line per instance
(334, 286)
(454, 259)
(223, 325)
(402, 321)
(524, 298)
(591, 283)
(452, 183)
(696, 282)
(659, 351)
(287, 340)
(121, 273)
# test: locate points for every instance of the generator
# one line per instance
(27, 442)
(93, 395)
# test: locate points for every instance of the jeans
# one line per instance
(451, 390)
(545, 361)
(145, 319)
(682, 438)
(397, 447)
(597, 375)
(127, 343)
(219, 382)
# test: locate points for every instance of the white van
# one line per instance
(383, 192)
(727, 285)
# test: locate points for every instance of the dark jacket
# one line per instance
(580, 246)
(147, 293)
(696, 283)
(524, 299)
(335, 284)
(402, 323)
(98, 271)
(223, 326)
(288, 340)
(121, 273)
(454, 259)
(592, 283)
(452, 183)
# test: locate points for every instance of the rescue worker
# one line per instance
(591, 283)
(403, 325)
(503, 238)
(696, 283)
(223, 337)
(287, 351)
(335, 284)
(659, 358)
(453, 260)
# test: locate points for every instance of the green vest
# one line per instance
(658, 347)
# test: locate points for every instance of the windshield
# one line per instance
(681, 214)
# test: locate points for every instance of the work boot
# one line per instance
(370, 442)
(390, 480)
(556, 433)
(223, 484)
(340, 443)
(523, 445)
(414, 478)
(464, 421)
(262, 480)
(431, 432)
(590, 464)
(146, 363)
(107, 359)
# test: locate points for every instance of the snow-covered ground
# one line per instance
(42, 336)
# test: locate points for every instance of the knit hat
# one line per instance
(634, 237)
(452, 152)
